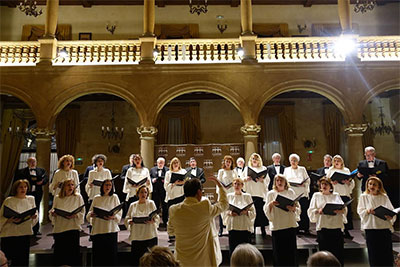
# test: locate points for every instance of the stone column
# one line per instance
(250, 136)
(148, 18)
(247, 37)
(147, 137)
(48, 44)
(43, 151)
(148, 40)
(246, 17)
(356, 151)
(345, 16)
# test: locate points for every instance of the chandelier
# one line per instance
(113, 132)
(29, 8)
(382, 128)
(364, 5)
(199, 8)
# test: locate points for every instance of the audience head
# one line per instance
(294, 160)
(322, 258)
(99, 160)
(374, 186)
(325, 185)
(66, 162)
(143, 191)
(193, 188)
(369, 153)
(158, 256)
(327, 160)
(276, 158)
(175, 164)
(240, 162)
(31, 161)
(246, 255)
(67, 188)
(160, 162)
(20, 186)
(255, 160)
(280, 183)
(107, 188)
(3, 260)
(227, 163)
(338, 162)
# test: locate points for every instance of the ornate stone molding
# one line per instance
(42, 132)
(250, 130)
(147, 131)
(356, 129)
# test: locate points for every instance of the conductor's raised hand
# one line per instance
(215, 180)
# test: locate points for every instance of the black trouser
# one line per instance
(349, 224)
(284, 247)
(236, 238)
(16, 249)
(159, 199)
(173, 202)
(105, 249)
(331, 240)
(141, 247)
(261, 219)
(38, 198)
(380, 247)
(66, 248)
(304, 223)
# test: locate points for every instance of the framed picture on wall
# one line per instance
(85, 36)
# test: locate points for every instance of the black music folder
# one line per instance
(299, 184)
(146, 218)
(141, 182)
(254, 175)
(66, 214)
(107, 213)
(381, 211)
(329, 208)
(226, 186)
(315, 176)
(339, 177)
(97, 182)
(372, 171)
(177, 176)
(24, 216)
(284, 201)
(238, 210)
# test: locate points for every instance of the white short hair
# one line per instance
(275, 155)
(239, 159)
(294, 156)
(369, 148)
(161, 159)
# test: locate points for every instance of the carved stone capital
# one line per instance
(250, 130)
(356, 129)
(42, 132)
(147, 131)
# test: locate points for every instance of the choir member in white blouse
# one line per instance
(297, 174)
(377, 231)
(105, 231)
(174, 191)
(136, 174)
(65, 171)
(226, 175)
(239, 226)
(258, 190)
(344, 189)
(142, 235)
(66, 229)
(239, 167)
(99, 173)
(329, 227)
(15, 238)
(283, 224)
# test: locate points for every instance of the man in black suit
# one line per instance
(274, 169)
(371, 166)
(157, 175)
(37, 177)
(327, 165)
(127, 166)
(194, 171)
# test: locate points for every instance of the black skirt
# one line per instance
(380, 247)
(261, 219)
(105, 249)
(139, 247)
(66, 248)
(16, 249)
(236, 238)
(284, 247)
(331, 240)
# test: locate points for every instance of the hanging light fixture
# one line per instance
(364, 6)
(29, 8)
(383, 128)
(113, 132)
(199, 8)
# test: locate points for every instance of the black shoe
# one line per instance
(263, 233)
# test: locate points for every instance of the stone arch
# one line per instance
(6, 89)
(378, 89)
(324, 89)
(198, 86)
(76, 91)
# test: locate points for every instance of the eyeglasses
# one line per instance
(7, 263)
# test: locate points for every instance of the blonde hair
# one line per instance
(340, 158)
(246, 255)
(281, 176)
(60, 164)
(259, 159)
(379, 181)
(240, 180)
(175, 159)
(63, 189)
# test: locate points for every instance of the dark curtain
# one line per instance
(67, 130)
(332, 127)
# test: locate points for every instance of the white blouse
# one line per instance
(142, 231)
(69, 203)
(370, 221)
(136, 175)
(101, 226)
(19, 205)
(226, 176)
(172, 191)
(242, 222)
(318, 201)
(278, 218)
(297, 176)
(342, 189)
(256, 189)
(102, 175)
(59, 177)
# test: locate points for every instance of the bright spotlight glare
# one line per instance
(345, 45)
(240, 52)
(63, 53)
(155, 53)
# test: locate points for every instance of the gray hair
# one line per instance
(161, 159)
(246, 255)
(369, 148)
(327, 156)
(275, 154)
(294, 156)
(239, 159)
